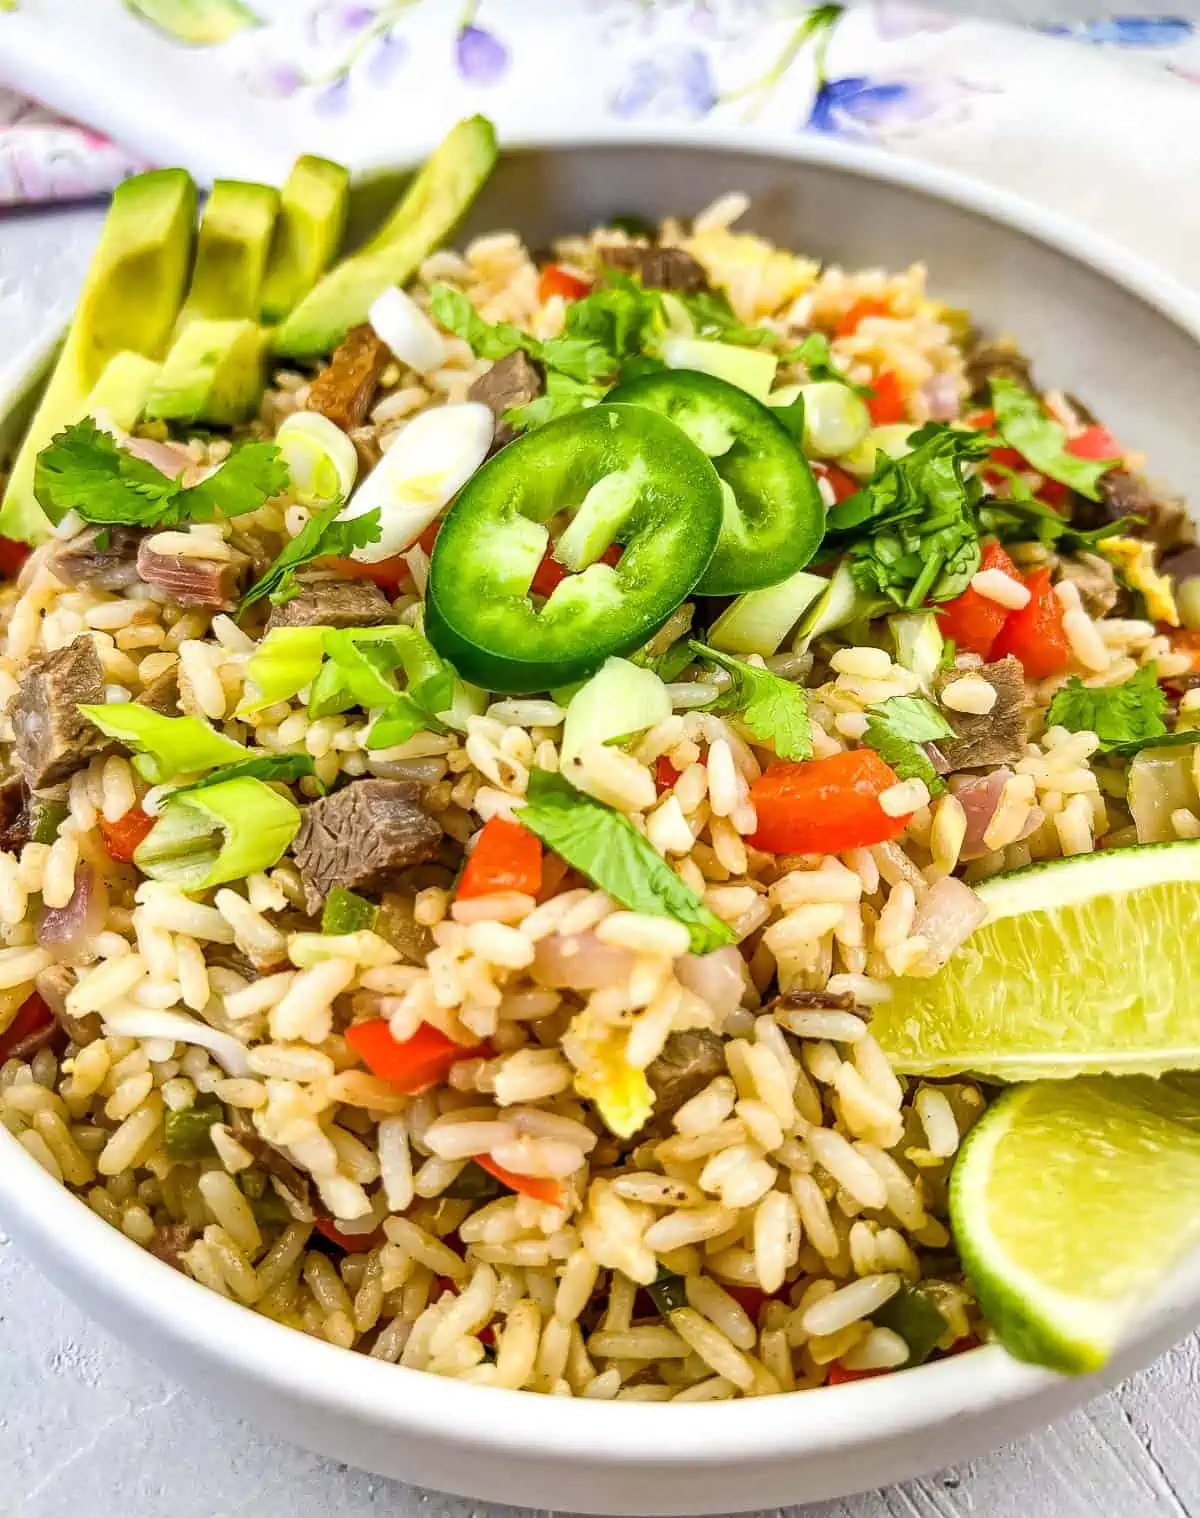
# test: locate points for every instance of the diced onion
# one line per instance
(408, 332)
(420, 474)
(149, 1022)
(320, 458)
(750, 369)
(620, 699)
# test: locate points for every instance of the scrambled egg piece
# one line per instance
(1133, 559)
(622, 1094)
(757, 277)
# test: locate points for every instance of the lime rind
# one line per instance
(1069, 1203)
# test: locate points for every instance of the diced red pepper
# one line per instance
(973, 621)
(870, 305)
(506, 857)
(12, 556)
(749, 1298)
(843, 485)
(887, 403)
(554, 872)
(352, 1243)
(429, 537)
(389, 574)
(823, 806)
(556, 280)
(665, 774)
(413, 1064)
(550, 573)
(1055, 494)
(32, 1016)
(540, 1188)
(1094, 442)
(122, 837)
(1035, 633)
(1184, 640)
(968, 1341)
(840, 1376)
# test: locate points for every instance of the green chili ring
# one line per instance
(628, 477)
(775, 517)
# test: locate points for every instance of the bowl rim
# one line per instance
(57, 1226)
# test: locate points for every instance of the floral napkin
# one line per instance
(1096, 115)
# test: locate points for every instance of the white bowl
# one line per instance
(1097, 323)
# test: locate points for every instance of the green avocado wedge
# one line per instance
(214, 373)
(200, 23)
(121, 392)
(308, 233)
(231, 252)
(434, 203)
(130, 300)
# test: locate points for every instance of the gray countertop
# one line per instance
(88, 1428)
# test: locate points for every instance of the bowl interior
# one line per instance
(1139, 369)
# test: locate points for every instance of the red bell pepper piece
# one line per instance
(972, 620)
(550, 573)
(1035, 634)
(870, 305)
(887, 403)
(122, 837)
(540, 1188)
(665, 774)
(506, 857)
(389, 574)
(555, 280)
(840, 1376)
(823, 806)
(843, 485)
(1095, 442)
(412, 1064)
(12, 557)
(32, 1016)
(352, 1243)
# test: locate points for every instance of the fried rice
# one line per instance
(742, 1241)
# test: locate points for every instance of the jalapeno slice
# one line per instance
(774, 515)
(623, 475)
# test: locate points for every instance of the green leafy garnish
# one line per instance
(223, 833)
(608, 849)
(668, 665)
(1020, 517)
(347, 913)
(187, 1135)
(1024, 425)
(563, 396)
(164, 746)
(453, 310)
(1124, 717)
(321, 535)
(83, 470)
(713, 316)
(911, 531)
(913, 1314)
(898, 729)
(286, 660)
(668, 1292)
(360, 670)
(287, 767)
(774, 709)
(814, 354)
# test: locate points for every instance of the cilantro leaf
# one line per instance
(713, 316)
(911, 531)
(260, 767)
(563, 396)
(1021, 517)
(608, 849)
(668, 665)
(898, 729)
(360, 671)
(814, 354)
(1024, 425)
(453, 310)
(82, 469)
(1119, 715)
(774, 709)
(322, 534)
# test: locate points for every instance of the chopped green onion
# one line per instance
(164, 746)
(320, 458)
(913, 1315)
(347, 913)
(223, 833)
(749, 368)
(668, 1292)
(46, 817)
(287, 660)
(473, 1184)
(187, 1133)
(835, 419)
(619, 699)
(271, 767)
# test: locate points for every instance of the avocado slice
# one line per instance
(121, 392)
(130, 300)
(215, 372)
(432, 206)
(231, 252)
(312, 218)
(199, 22)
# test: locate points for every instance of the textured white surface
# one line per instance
(86, 1428)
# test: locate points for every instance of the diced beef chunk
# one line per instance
(169, 1242)
(686, 1065)
(277, 1165)
(213, 583)
(814, 1001)
(345, 388)
(162, 694)
(1001, 359)
(1095, 580)
(1164, 522)
(53, 985)
(514, 380)
(52, 739)
(657, 268)
(333, 603)
(14, 816)
(103, 558)
(1183, 564)
(360, 836)
(998, 737)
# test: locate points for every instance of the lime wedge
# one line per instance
(1069, 1203)
(1083, 966)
